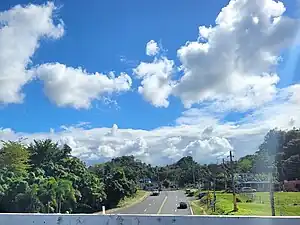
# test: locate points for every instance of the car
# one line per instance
(247, 189)
(201, 195)
(182, 205)
(155, 193)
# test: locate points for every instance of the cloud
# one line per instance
(205, 141)
(232, 63)
(75, 87)
(156, 84)
(152, 48)
(230, 67)
(21, 29)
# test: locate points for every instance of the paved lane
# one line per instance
(165, 203)
(172, 202)
(150, 205)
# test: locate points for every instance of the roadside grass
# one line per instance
(286, 204)
(198, 208)
(139, 196)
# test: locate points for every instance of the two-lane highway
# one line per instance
(165, 203)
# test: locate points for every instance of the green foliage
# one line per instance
(54, 182)
(117, 187)
(14, 157)
(166, 183)
(44, 177)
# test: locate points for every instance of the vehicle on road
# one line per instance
(155, 192)
(201, 195)
(182, 205)
(247, 189)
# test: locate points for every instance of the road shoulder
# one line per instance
(196, 208)
(131, 203)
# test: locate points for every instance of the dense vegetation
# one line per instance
(44, 177)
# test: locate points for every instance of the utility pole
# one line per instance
(272, 203)
(271, 194)
(235, 208)
(207, 198)
(194, 180)
(215, 198)
(225, 175)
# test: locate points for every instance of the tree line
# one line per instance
(44, 177)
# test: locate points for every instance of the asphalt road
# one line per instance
(165, 203)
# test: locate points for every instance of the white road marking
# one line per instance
(145, 210)
(192, 213)
(162, 205)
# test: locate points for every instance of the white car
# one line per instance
(248, 189)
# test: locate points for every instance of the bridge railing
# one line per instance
(117, 219)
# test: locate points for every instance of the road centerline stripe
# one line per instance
(162, 205)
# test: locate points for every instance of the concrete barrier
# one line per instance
(115, 219)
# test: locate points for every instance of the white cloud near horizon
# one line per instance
(206, 142)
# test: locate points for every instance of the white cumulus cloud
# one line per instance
(206, 142)
(156, 84)
(152, 48)
(21, 29)
(232, 63)
(68, 86)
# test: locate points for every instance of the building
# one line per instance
(292, 185)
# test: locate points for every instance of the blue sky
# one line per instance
(97, 35)
(111, 35)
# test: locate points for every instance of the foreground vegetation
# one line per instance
(286, 204)
(139, 196)
(45, 177)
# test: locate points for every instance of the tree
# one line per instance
(117, 187)
(166, 183)
(44, 152)
(65, 195)
(14, 157)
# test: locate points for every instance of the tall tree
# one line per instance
(14, 157)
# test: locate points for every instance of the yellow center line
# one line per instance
(162, 205)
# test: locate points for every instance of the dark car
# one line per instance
(182, 205)
(201, 195)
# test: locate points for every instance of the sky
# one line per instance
(158, 80)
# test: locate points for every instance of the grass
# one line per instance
(139, 196)
(198, 208)
(128, 201)
(284, 205)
